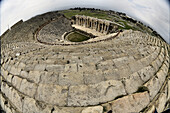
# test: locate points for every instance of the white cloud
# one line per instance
(153, 12)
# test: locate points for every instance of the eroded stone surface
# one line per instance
(52, 94)
(96, 109)
(127, 103)
(84, 95)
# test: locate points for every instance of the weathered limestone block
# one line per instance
(146, 73)
(155, 65)
(7, 108)
(71, 78)
(145, 61)
(16, 82)
(135, 66)
(71, 68)
(29, 67)
(94, 78)
(2, 101)
(21, 65)
(52, 94)
(4, 73)
(4, 88)
(39, 67)
(5, 65)
(29, 106)
(9, 68)
(111, 74)
(84, 95)
(133, 83)
(131, 103)
(122, 61)
(168, 88)
(16, 100)
(55, 68)
(15, 71)
(28, 88)
(67, 109)
(24, 74)
(49, 78)
(88, 59)
(160, 103)
(86, 67)
(154, 86)
(125, 71)
(165, 68)
(105, 65)
(161, 76)
(35, 76)
(158, 62)
(9, 78)
(96, 109)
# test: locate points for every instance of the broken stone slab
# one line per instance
(49, 78)
(84, 95)
(29, 106)
(133, 83)
(154, 86)
(16, 99)
(39, 67)
(4, 73)
(21, 65)
(16, 82)
(15, 71)
(24, 74)
(71, 68)
(95, 109)
(161, 76)
(131, 103)
(28, 88)
(35, 76)
(135, 66)
(9, 78)
(71, 78)
(67, 109)
(94, 78)
(146, 73)
(55, 68)
(160, 103)
(52, 94)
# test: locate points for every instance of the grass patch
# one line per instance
(97, 14)
(77, 37)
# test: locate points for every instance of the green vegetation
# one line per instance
(115, 17)
(77, 37)
(97, 14)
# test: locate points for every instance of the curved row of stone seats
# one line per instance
(20, 48)
(24, 32)
(28, 88)
(54, 30)
(115, 60)
(24, 88)
(26, 104)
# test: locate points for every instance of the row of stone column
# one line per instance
(93, 23)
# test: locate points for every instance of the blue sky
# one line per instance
(155, 13)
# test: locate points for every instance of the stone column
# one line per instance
(107, 29)
(98, 29)
(96, 25)
(91, 24)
